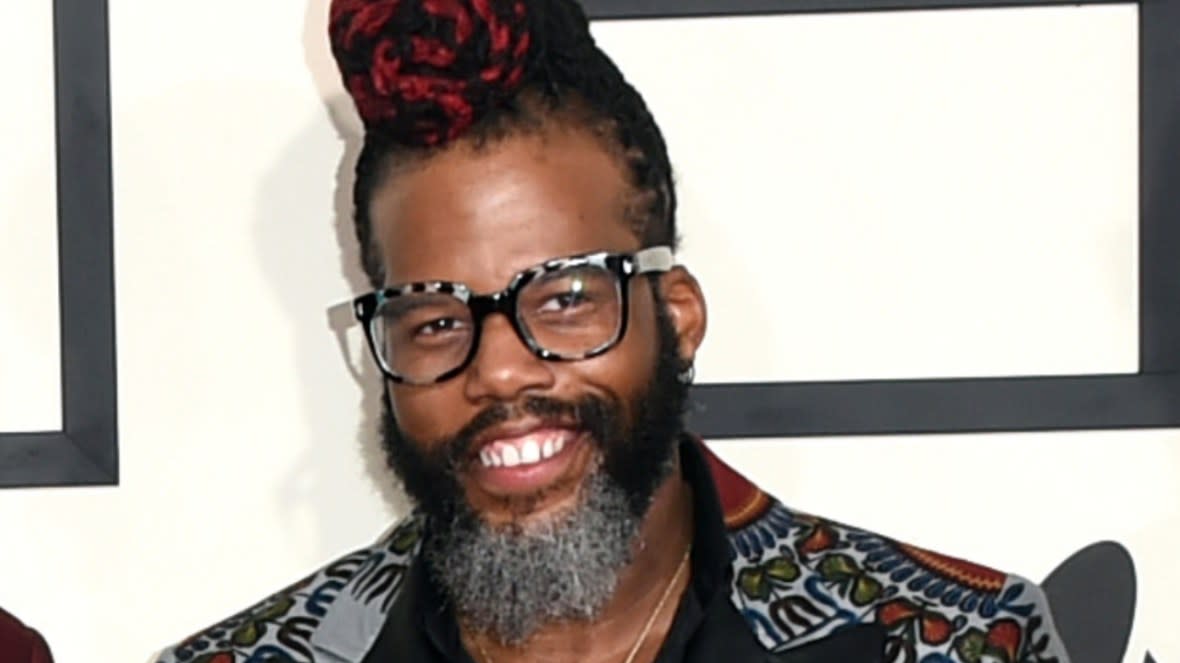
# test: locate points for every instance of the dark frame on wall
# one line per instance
(1149, 398)
(85, 450)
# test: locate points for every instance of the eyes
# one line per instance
(570, 299)
(440, 326)
(565, 309)
(576, 307)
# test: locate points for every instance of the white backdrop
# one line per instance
(29, 341)
(904, 194)
(904, 243)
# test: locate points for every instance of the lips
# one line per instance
(527, 458)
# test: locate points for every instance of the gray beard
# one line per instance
(508, 581)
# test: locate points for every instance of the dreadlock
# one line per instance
(423, 73)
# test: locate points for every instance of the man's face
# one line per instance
(479, 217)
(518, 544)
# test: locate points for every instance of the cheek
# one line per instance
(628, 367)
(429, 414)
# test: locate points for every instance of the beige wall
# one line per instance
(246, 438)
(29, 340)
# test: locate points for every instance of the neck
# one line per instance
(663, 538)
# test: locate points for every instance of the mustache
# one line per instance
(589, 413)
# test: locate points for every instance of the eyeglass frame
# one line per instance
(624, 265)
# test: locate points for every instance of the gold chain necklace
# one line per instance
(651, 620)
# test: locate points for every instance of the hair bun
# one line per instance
(422, 71)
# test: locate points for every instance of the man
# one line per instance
(516, 212)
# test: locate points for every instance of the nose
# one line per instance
(504, 368)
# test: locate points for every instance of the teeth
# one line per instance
(527, 452)
(490, 458)
(509, 455)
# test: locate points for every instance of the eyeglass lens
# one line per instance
(569, 312)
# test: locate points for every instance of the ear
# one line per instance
(686, 308)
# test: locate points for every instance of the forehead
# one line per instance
(480, 215)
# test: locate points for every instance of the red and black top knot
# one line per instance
(422, 71)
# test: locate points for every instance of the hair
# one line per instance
(426, 73)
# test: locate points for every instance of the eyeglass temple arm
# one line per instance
(654, 259)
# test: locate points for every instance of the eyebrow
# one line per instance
(543, 268)
(408, 302)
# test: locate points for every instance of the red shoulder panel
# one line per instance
(741, 501)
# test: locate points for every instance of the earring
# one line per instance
(686, 376)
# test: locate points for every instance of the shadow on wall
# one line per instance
(340, 319)
(322, 68)
(292, 257)
(291, 265)
(294, 179)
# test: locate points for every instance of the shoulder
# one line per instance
(798, 578)
(291, 624)
(21, 642)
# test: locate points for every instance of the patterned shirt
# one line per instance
(769, 584)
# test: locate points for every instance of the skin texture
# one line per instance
(479, 216)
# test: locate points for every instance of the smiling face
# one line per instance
(515, 445)
(479, 217)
